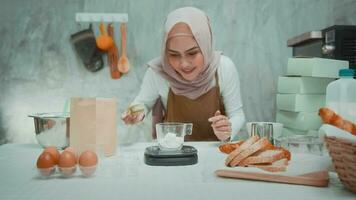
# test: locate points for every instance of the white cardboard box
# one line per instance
(316, 67)
(303, 85)
(302, 121)
(291, 132)
(300, 102)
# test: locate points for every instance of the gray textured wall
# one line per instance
(39, 69)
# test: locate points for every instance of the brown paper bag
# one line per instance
(93, 125)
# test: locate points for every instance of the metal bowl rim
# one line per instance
(51, 115)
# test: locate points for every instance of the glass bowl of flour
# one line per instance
(170, 135)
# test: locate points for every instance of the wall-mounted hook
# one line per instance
(98, 17)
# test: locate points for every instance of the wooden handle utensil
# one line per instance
(124, 64)
(113, 56)
(318, 179)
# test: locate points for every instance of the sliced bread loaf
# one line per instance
(261, 143)
(229, 147)
(268, 156)
(277, 166)
(242, 147)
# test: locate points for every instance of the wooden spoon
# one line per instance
(113, 56)
(124, 64)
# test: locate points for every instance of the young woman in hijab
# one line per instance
(190, 82)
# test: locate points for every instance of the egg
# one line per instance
(54, 153)
(72, 149)
(45, 160)
(67, 159)
(88, 159)
(87, 163)
(67, 163)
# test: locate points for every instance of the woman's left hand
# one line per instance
(221, 126)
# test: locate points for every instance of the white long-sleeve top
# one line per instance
(154, 86)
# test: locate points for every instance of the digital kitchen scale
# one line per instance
(187, 155)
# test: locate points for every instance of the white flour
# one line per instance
(170, 140)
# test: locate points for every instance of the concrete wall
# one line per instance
(39, 70)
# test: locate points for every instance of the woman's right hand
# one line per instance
(129, 118)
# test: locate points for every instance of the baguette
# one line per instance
(330, 117)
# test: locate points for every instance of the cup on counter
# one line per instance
(170, 135)
(270, 130)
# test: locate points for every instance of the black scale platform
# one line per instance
(187, 155)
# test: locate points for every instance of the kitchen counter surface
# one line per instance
(126, 176)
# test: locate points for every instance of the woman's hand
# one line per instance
(221, 126)
(132, 118)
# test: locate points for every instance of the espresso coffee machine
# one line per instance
(335, 42)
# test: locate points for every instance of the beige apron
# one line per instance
(197, 111)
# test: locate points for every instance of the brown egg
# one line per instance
(88, 159)
(67, 159)
(45, 160)
(72, 149)
(54, 153)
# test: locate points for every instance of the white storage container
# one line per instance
(341, 95)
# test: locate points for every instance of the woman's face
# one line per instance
(183, 52)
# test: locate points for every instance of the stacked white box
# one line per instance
(302, 92)
(315, 67)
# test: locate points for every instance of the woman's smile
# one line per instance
(188, 70)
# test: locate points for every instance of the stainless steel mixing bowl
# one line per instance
(52, 129)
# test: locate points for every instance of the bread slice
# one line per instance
(277, 166)
(242, 147)
(268, 156)
(229, 147)
(261, 143)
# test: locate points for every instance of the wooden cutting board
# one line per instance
(318, 179)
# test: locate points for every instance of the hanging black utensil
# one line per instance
(85, 45)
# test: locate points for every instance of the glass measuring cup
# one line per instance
(170, 135)
(262, 130)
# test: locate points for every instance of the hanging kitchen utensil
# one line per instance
(124, 64)
(104, 41)
(85, 45)
(113, 56)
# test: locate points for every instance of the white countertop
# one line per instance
(126, 176)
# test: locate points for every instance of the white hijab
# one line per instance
(198, 22)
